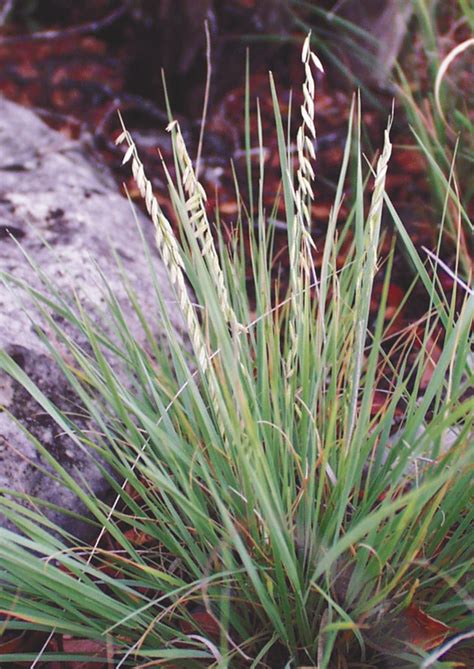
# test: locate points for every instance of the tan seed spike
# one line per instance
(196, 208)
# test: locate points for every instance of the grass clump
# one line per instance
(267, 511)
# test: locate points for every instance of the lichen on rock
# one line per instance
(61, 210)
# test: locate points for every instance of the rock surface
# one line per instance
(51, 191)
(386, 21)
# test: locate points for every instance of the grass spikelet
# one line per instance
(167, 246)
(306, 137)
(198, 219)
(376, 204)
(171, 254)
(366, 276)
(300, 242)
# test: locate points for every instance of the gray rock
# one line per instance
(387, 22)
(51, 190)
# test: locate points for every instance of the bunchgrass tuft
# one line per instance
(268, 511)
